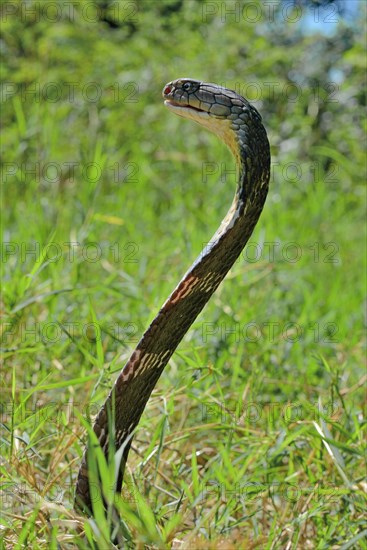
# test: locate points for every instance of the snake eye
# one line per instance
(186, 86)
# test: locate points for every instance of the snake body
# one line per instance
(239, 125)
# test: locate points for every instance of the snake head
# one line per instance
(194, 99)
(220, 110)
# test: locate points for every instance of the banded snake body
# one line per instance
(236, 122)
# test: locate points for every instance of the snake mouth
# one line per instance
(176, 105)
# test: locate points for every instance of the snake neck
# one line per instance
(250, 147)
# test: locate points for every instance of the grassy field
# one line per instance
(255, 435)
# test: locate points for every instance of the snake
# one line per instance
(239, 125)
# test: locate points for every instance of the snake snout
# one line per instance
(167, 89)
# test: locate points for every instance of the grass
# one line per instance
(255, 435)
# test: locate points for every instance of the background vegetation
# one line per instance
(254, 434)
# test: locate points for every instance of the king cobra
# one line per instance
(238, 124)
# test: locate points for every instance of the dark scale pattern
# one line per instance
(138, 378)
